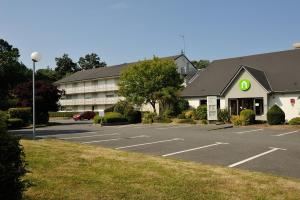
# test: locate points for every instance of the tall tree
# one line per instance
(48, 75)
(142, 82)
(65, 66)
(90, 61)
(201, 64)
(12, 72)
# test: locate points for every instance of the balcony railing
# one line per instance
(93, 101)
(77, 90)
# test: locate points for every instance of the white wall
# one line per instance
(193, 102)
(284, 102)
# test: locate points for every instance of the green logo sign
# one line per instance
(245, 85)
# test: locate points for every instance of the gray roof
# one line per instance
(277, 72)
(102, 72)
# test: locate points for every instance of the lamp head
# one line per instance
(36, 56)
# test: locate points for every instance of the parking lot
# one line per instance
(270, 150)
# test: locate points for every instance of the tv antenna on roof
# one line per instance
(183, 40)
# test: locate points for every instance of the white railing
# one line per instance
(77, 90)
(92, 101)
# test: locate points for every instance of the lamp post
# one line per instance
(35, 57)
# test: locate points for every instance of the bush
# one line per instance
(189, 114)
(248, 117)
(295, 121)
(22, 113)
(123, 107)
(201, 112)
(180, 106)
(186, 121)
(113, 117)
(62, 114)
(181, 116)
(275, 115)
(223, 115)
(134, 116)
(15, 123)
(42, 118)
(97, 119)
(12, 164)
(148, 117)
(168, 113)
(236, 120)
(160, 119)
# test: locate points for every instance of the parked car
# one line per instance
(84, 115)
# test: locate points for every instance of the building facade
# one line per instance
(255, 82)
(97, 89)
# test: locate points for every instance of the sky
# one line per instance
(122, 31)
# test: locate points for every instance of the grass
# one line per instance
(65, 170)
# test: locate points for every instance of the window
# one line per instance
(203, 102)
(259, 106)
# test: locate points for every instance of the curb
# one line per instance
(222, 127)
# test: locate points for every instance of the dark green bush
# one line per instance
(224, 115)
(97, 119)
(201, 112)
(275, 115)
(295, 121)
(180, 106)
(148, 117)
(12, 164)
(22, 113)
(181, 116)
(113, 117)
(62, 114)
(248, 117)
(134, 116)
(42, 118)
(15, 123)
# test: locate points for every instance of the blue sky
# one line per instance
(128, 30)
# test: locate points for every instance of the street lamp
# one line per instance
(35, 57)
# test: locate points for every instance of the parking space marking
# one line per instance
(193, 149)
(55, 135)
(282, 134)
(176, 126)
(161, 141)
(256, 156)
(139, 136)
(88, 136)
(98, 141)
(255, 130)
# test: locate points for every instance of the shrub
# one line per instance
(42, 118)
(275, 115)
(189, 114)
(123, 107)
(15, 123)
(236, 120)
(186, 121)
(22, 113)
(113, 117)
(62, 114)
(181, 116)
(134, 116)
(248, 117)
(97, 119)
(201, 112)
(168, 113)
(223, 115)
(295, 121)
(12, 164)
(180, 106)
(161, 119)
(148, 117)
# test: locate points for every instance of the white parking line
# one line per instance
(98, 141)
(139, 136)
(161, 141)
(255, 130)
(55, 135)
(176, 126)
(193, 149)
(256, 156)
(88, 136)
(282, 134)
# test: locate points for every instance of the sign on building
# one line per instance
(212, 109)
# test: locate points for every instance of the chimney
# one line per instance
(296, 45)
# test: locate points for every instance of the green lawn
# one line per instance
(64, 170)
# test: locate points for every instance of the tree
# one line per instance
(141, 83)
(47, 75)
(201, 64)
(90, 61)
(12, 72)
(65, 66)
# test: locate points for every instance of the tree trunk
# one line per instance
(153, 106)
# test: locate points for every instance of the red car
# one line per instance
(84, 115)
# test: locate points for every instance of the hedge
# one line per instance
(113, 117)
(15, 123)
(201, 112)
(295, 121)
(62, 114)
(248, 117)
(24, 113)
(275, 115)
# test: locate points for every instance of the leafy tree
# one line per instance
(90, 61)
(46, 96)
(12, 72)
(65, 66)
(48, 75)
(201, 64)
(143, 82)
